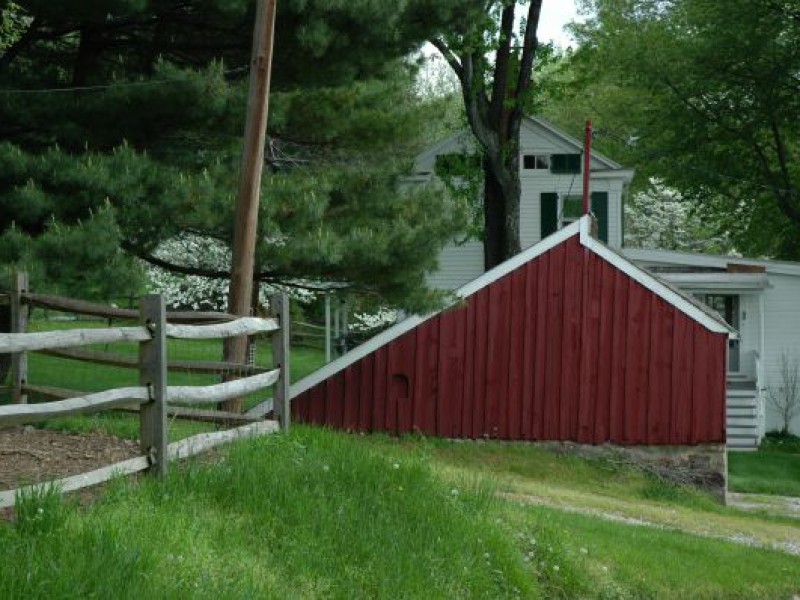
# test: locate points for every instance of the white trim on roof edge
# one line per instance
(651, 282)
(581, 228)
(408, 324)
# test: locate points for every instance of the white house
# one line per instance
(760, 299)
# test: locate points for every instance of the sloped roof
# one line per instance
(462, 139)
(673, 296)
(690, 259)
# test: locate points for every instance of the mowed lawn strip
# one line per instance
(317, 514)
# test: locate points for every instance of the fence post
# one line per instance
(19, 324)
(281, 403)
(153, 374)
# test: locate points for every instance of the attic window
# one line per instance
(539, 162)
(565, 163)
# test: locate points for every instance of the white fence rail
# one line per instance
(153, 394)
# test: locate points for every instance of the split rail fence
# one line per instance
(153, 397)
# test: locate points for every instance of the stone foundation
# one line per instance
(704, 466)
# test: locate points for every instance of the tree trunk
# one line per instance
(501, 200)
(87, 59)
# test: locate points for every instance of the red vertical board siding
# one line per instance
(301, 407)
(555, 314)
(422, 385)
(637, 363)
(701, 389)
(566, 347)
(682, 380)
(528, 367)
(400, 382)
(721, 369)
(571, 345)
(497, 360)
(334, 401)
(457, 366)
(602, 424)
(405, 411)
(365, 393)
(481, 300)
(716, 417)
(351, 397)
(468, 366)
(431, 375)
(393, 370)
(618, 362)
(447, 400)
(317, 404)
(662, 317)
(516, 366)
(591, 359)
(379, 391)
(544, 330)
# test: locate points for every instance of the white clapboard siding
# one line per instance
(782, 334)
(458, 265)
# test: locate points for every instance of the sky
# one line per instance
(555, 14)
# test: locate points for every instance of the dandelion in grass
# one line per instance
(396, 466)
(454, 492)
(556, 568)
(584, 551)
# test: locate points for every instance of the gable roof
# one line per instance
(681, 301)
(566, 138)
(463, 140)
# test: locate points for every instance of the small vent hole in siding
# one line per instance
(400, 387)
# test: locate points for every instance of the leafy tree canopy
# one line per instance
(148, 148)
(703, 95)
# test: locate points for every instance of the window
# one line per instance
(559, 210)
(537, 162)
(565, 163)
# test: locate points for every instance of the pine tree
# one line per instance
(147, 148)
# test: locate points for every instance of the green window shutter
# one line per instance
(600, 210)
(549, 213)
(565, 163)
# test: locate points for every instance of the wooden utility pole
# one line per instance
(245, 228)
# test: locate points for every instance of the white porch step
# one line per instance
(742, 415)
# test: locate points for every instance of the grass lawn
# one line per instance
(774, 469)
(316, 514)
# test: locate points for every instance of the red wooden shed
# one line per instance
(566, 341)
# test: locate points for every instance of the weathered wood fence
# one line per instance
(153, 397)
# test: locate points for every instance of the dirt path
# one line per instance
(29, 455)
(731, 528)
(784, 506)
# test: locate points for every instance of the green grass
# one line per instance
(626, 561)
(317, 514)
(310, 515)
(764, 472)
(780, 442)
(516, 465)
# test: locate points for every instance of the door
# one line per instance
(727, 305)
